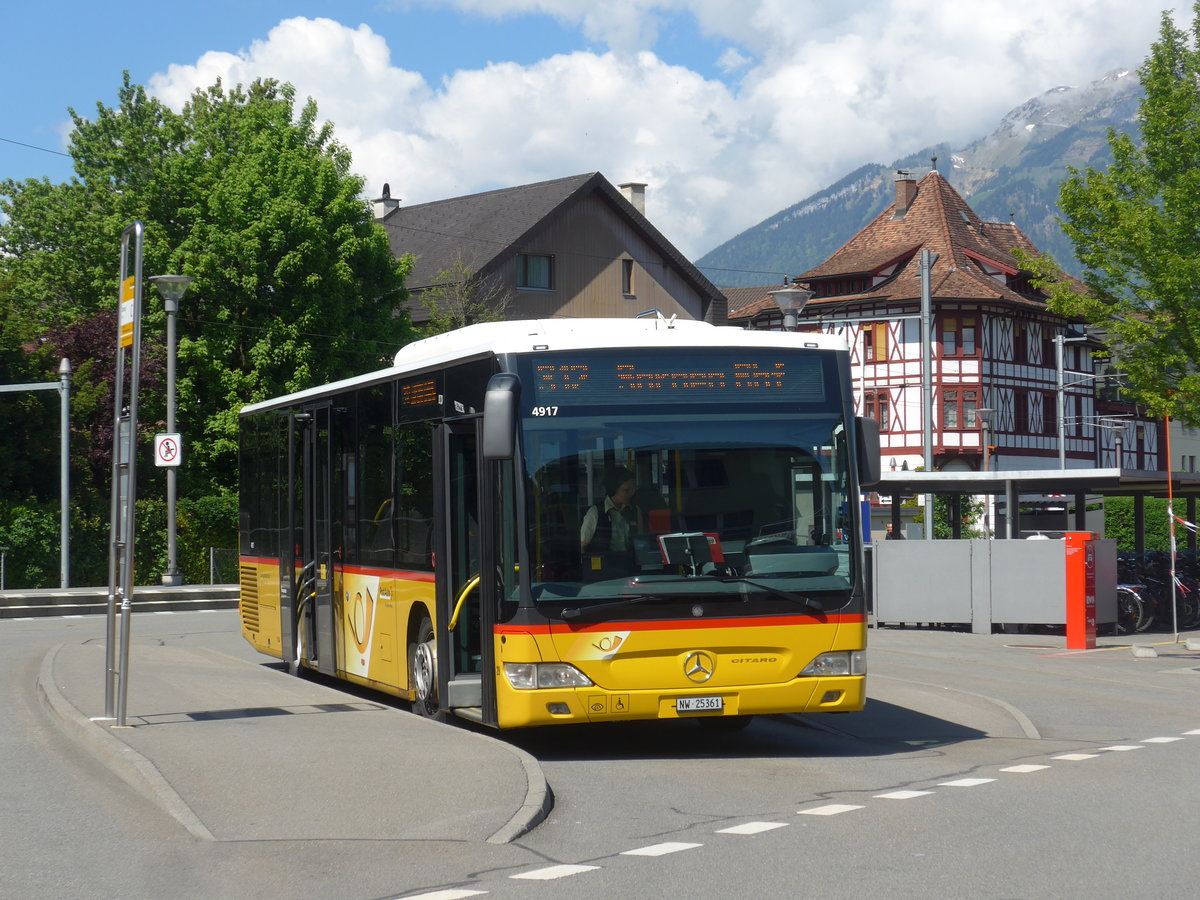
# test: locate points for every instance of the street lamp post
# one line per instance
(984, 415)
(171, 288)
(790, 301)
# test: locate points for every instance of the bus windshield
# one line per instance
(708, 497)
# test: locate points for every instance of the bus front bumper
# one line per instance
(521, 708)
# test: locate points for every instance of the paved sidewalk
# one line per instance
(239, 751)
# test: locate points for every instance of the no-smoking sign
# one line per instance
(168, 450)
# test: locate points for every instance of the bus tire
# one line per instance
(422, 669)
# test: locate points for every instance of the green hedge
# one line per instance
(31, 531)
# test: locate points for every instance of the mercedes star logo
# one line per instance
(698, 666)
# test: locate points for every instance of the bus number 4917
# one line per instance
(544, 411)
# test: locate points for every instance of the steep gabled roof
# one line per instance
(937, 219)
(488, 228)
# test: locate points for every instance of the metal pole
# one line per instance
(64, 375)
(172, 576)
(1059, 388)
(124, 501)
(927, 261)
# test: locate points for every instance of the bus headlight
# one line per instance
(837, 662)
(531, 676)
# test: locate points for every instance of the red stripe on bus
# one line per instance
(401, 574)
(684, 624)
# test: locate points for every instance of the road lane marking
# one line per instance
(1120, 748)
(1075, 757)
(831, 810)
(660, 849)
(1161, 740)
(966, 782)
(901, 795)
(446, 895)
(552, 872)
(1193, 731)
(1025, 769)
(752, 828)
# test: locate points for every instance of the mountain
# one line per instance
(1013, 174)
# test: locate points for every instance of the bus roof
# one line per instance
(533, 335)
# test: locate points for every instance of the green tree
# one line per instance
(970, 508)
(459, 298)
(295, 285)
(1136, 230)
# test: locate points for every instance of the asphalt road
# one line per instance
(984, 766)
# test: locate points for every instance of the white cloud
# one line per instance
(819, 89)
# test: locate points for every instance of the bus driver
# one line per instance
(608, 527)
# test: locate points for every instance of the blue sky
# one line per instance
(730, 111)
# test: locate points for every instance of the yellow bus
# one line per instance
(442, 530)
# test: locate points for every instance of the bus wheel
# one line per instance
(422, 670)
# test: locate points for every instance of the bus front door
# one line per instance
(312, 526)
(465, 595)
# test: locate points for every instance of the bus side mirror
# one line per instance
(500, 416)
(868, 451)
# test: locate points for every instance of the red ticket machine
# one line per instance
(1081, 590)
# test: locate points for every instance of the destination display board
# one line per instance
(697, 377)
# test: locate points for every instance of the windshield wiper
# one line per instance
(798, 599)
(573, 612)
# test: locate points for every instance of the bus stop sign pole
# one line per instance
(124, 474)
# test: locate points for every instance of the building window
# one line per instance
(958, 336)
(958, 409)
(535, 271)
(1021, 411)
(877, 406)
(875, 347)
(627, 277)
(1020, 343)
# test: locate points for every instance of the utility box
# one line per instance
(1080, 561)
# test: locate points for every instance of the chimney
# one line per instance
(906, 192)
(635, 193)
(385, 204)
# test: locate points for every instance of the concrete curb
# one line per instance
(1026, 724)
(129, 765)
(143, 776)
(539, 800)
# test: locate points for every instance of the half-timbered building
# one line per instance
(994, 354)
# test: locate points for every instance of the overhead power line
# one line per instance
(34, 147)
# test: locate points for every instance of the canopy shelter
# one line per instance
(1079, 483)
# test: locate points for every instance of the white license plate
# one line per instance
(699, 704)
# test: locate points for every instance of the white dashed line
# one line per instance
(1023, 770)
(1193, 731)
(1121, 748)
(660, 849)
(831, 810)
(446, 895)
(552, 872)
(1161, 740)
(752, 828)
(966, 782)
(1075, 757)
(901, 795)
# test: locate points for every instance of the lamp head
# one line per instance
(792, 299)
(171, 287)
